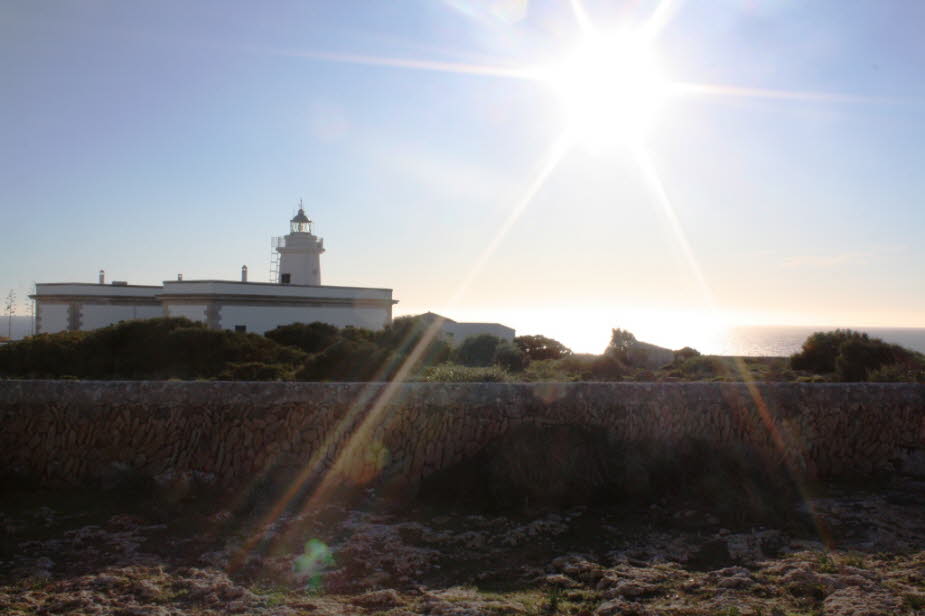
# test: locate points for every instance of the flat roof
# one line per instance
(276, 284)
(107, 285)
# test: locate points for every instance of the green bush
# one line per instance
(256, 371)
(538, 348)
(405, 334)
(621, 341)
(309, 337)
(579, 365)
(42, 356)
(548, 370)
(912, 371)
(477, 350)
(142, 349)
(702, 367)
(607, 367)
(851, 355)
(350, 360)
(454, 373)
(510, 357)
(204, 353)
(686, 353)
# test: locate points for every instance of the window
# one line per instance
(240, 328)
(285, 278)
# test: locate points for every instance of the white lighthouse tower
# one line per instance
(300, 253)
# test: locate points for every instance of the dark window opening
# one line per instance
(240, 328)
(285, 278)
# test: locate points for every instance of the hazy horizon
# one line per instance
(532, 163)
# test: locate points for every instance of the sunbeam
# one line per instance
(663, 13)
(549, 162)
(609, 81)
(654, 182)
(581, 16)
(420, 65)
(358, 424)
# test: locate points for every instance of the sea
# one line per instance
(782, 340)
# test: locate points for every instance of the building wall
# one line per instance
(84, 289)
(219, 304)
(193, 312)
(261, 318)
(65, 432)
(457, 332)
(176, 289)
(51, 318)
(301, 259)
(82, 306)
(94, 316)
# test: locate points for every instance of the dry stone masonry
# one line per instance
(78, 433)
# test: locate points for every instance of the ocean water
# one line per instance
(779, 340)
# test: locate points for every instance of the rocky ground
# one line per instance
(847, 550)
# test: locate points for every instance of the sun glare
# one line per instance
(611, 89)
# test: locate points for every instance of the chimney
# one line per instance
(179, 276)
(102, 277)
(243, 273)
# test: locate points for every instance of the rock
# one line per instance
(632, 589)
(744, 548)
(560, 581)
(616, 607)
(856, 602)
(378, 599)
(147, 590)
(578, 566)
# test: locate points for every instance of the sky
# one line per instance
(155, 138)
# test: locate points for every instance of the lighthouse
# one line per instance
(300, 253)
(293, 294)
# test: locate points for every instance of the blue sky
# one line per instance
(152, 138)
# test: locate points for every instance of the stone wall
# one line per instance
(78, 433)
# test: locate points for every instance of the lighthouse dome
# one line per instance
(300, 223)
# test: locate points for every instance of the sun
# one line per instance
(611, 88)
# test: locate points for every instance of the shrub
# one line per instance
(454, 373)
(646, 355)
(42, 356)
(549, 370)
(904, 372)
(621, 341)
(579, 365)
(132, 349)
(309, 337)
(204, 353)
(858, 356)
(607, 367)
(256, 371)
(819, 351)
(538, 348)
(510, 357)
(851, 355)
(349, 360)
(477, 350)
(405, 334)
(702, 367)
(686, 353)
(142, 349)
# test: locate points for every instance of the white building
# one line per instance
(455, 332)
(297, 296)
